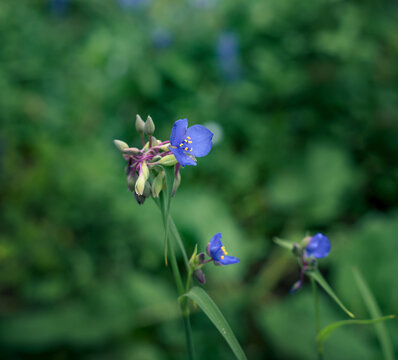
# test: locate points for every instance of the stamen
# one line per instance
(189, 142)
(181, 145)
(190, 149)
(188, 138)
(222, 257)
(186, 149)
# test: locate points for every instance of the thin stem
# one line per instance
(317, 317)
(178, 280)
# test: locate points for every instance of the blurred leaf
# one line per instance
(208, 306)
(328, 330)
(375, 312)
(284, 243)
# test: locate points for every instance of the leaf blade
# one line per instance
(200, 297)
(374, 311)
(328, 330)
(317, 276)
(284, 243)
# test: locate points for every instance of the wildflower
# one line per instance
(216, 250)
(318, 247)
(188, 143)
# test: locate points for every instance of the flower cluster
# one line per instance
(311, 248)
(145, 172)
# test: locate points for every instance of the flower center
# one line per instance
(224, 251)
(185, 144)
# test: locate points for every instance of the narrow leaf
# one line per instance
(375, 312)
(200, 297)
(327, 331)
(317, 276)
(284, 243)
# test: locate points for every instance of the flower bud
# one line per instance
(139, 124)
(147, 190)
(168, 160)
(199, 276)
(131, 151)
(149, 128)
(139, 198)
(142, 178)
(158, 184)
(155, 141)
(121, 145)
(140, 184)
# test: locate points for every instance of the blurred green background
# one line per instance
(303, 99)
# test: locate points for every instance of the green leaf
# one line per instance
(284, 243)
(317, 276)
(217, 318)
(375, 312)
(327, 331)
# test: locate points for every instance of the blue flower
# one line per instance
(188, 143)
(216, 250)
(318, 247)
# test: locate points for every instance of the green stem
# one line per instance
(177, 278)
(317, 318)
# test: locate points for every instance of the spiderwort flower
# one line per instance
(216, 250)
(188, 143)
(318, 247)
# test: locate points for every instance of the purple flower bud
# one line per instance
(199, 276)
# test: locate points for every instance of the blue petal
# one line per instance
(182, 158)
(178, 132)
(215, 245)
(319, 246)
(228, 260)
(201, 140)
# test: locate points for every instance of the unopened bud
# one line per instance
(140, 198)
(199, 276)
(121, 145)
(131, 151)
(155, 141)
(305, 242)
(149, 126)
(139, 124)
(147, 190)
(158, 184)
(145, 170)
(168, 160)
(140, 184)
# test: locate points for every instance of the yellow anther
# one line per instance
(181, 145)
(189, 142)
(188, 138)
(222, 257)
(190, 149)
(186, 149)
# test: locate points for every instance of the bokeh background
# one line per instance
(303, 99)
